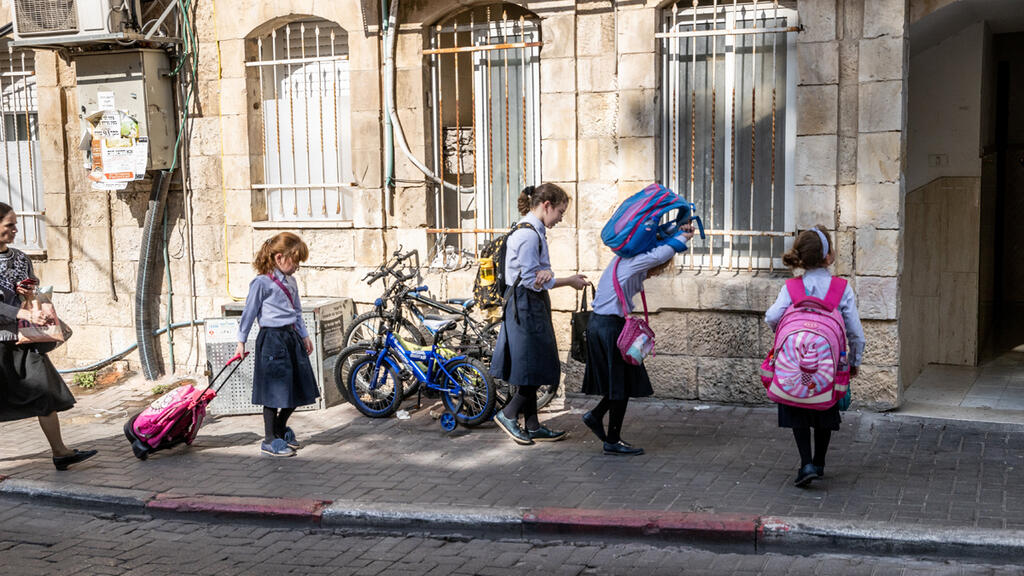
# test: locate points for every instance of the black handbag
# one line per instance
(579, 321)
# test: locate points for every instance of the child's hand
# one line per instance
(240, 349)
(543, 277)
(308, 345)
(578, 281)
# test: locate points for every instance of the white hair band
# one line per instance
(824, 242)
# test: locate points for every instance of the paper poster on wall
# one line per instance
(119, 154)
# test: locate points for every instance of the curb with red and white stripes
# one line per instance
(735, 531)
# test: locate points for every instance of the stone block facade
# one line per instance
(599, 105)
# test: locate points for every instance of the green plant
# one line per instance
(85, 380)
(161, 389)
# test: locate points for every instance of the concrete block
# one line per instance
(558, 160)
(849, 98)
(559, 37)
(878, 205)
(877, 251)
(595, 33)
(881, 59)
(876, 388)
(557, 112)
(882, 347)
(819, 109)
(881, 106)
(721, 335)
(366, 207)
(723, 293)
(847, 203)
(89, 343)
(815, 205)
(884, 18)
(597, 114)
(638, 71)
(845, 247)
(877, 297)
(636, 158)
(598, 159)
(819, 20)
(240, 246)
(597, 202)
(818, 63)
(557, 75)
(632, 20)
(848, 159)
(673, 376)
(673, 290)
(816, 160)
(731, 380)
(878, 157)
(638, 113)
(597, 73)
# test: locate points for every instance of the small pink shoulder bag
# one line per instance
(636, 341)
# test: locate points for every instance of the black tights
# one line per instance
(525, 403)
(616, 410)
(803, 444)
(275, 420)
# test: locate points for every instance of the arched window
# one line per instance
(728, 130)
(302, 71)
(485, 124)
(20, 177)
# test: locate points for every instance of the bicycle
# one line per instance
(373, 373)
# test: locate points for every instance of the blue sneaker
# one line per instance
(289, 439)
(277, 448)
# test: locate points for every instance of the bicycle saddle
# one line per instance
(464, 302)
(438, 326)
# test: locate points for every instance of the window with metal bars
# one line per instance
(728, 127)
(20, 177)
(485, 126)
(304, 172)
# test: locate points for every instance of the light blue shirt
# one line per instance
(816, 283)
(632, 273)
(268, 304)
(523, 259)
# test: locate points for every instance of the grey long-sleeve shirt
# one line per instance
(267, 303)
(523, 260)
(632, 273)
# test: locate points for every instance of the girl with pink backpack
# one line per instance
(807, 373)
(615, 369)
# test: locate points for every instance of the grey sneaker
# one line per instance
(278, 448)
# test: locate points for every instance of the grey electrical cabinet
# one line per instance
(140, 83)
(325, 318)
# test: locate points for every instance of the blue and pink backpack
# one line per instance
(644, 221)
(804, 367)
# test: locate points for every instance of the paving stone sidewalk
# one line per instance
(700, 458)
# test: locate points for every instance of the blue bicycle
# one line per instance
(373, 372)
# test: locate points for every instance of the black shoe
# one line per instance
(62, 462)
(820, 470)
(805, 475)
(622, 449)
(595, 425)
(545, 434)
(512, 428)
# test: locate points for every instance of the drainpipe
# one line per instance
(389, 137)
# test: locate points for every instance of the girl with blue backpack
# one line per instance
(607, 374)
(526, 354)
(813, 252)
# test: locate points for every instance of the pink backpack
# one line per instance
(636, 340)
(168, 418)
(803, 367)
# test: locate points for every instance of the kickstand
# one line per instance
(419, 397)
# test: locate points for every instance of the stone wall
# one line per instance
(599, 132)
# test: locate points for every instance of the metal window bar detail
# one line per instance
(728, 125)
(484, 103)
(302, 73)
(20, 178)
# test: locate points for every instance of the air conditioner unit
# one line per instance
(59, 22)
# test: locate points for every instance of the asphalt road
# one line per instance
(47, 540)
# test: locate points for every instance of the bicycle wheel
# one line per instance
(343, 365)
(378, 402)
(476, 402)
(367, 325)
(545, 394)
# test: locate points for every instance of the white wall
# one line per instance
(945, 109)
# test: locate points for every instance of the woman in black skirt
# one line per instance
(29, 384)
(526, 354)
(283, 378)
(607, 374)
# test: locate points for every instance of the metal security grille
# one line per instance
(728, 125)
(485, 99)
(20, 178)
(303, 76)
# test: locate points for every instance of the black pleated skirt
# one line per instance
(29, 384)
(607, 374)
(796, 417)
(526, 353)
(283, 376)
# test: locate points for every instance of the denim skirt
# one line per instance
(283, 376)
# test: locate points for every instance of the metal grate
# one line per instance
(46, 16)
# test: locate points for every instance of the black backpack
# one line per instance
(490, 285)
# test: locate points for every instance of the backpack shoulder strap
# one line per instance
(618, 288)
(540, 245)
(796, 289)
(835, 293)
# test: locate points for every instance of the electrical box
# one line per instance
(74, 22)
(139, 84)
(325, 318)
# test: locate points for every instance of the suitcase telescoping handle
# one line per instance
(237, 361)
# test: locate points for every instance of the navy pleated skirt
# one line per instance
(526, 353)
(283, 376)
(607, 374)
